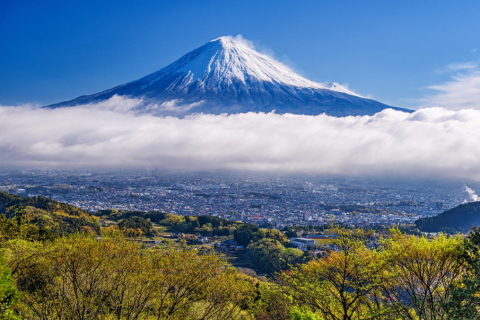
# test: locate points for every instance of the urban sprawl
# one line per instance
(266, 200)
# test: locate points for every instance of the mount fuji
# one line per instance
(227, 75)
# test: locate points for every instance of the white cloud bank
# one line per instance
(430, 142)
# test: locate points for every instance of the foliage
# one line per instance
(302, 313)
(464, 299)
(177, 223)
(48, 216)
(270, 256)
(344, 285)
(248, 233)
(115, 214)
(421, 274)
(137, 223)
(9, 294)
(244, 233)
(19, 228)
(408, 277)
(270, 302)
(82, 278)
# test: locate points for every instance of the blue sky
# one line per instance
(391, 51)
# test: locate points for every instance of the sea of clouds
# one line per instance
(429, 142)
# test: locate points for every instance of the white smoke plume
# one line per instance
(429, 142)
(473, 195)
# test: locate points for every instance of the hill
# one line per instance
(458, 219)
(47, 214)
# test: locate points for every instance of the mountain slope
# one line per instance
(227, 75)
(458, 219)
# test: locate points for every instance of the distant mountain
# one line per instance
(227, 75)
(458, 219)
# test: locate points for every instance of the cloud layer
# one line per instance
(429, 142)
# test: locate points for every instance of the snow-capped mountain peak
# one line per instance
(228, 59)
(227, 75)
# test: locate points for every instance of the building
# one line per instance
(302, 243)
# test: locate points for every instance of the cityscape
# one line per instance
(271, 201)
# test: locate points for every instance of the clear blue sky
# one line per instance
(55, 50)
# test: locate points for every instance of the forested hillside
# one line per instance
(458, 219)
(40, 217)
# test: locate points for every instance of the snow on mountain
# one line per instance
(227, 75)
(229, 59)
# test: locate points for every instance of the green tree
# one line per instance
(82, 278)
(245, 234)
(297, 313)
(270, 302)
(134, 222)
(421, 274)
(9, 294)
(271, 256)
(464, 299)
(344, 285)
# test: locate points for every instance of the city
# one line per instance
(266, 200)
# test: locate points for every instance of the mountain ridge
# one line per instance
(227, 75)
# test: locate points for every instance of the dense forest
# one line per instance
(52, 270)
